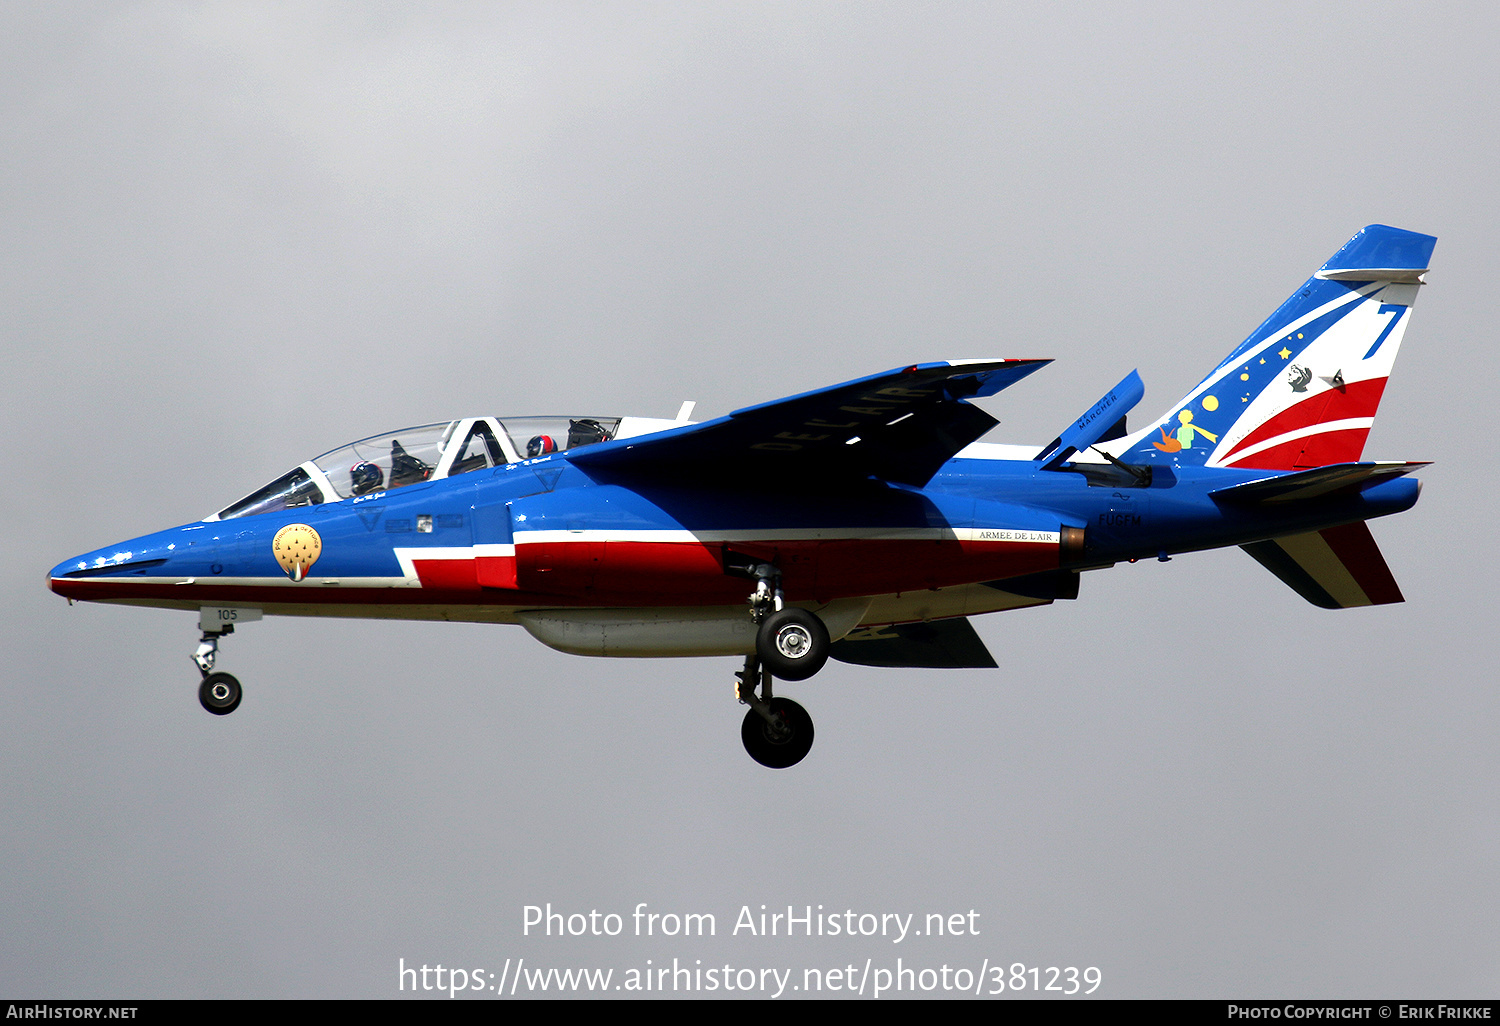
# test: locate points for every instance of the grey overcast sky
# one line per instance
(235, 235)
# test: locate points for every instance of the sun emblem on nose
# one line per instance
(297, 548)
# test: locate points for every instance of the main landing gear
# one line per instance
(219, 693)
(791, 644)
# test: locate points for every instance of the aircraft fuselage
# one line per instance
(542, 534)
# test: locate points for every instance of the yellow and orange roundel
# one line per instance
(297, 548)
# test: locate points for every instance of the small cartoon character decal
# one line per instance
(1298, 377)
(297, 548)
(1182, 438)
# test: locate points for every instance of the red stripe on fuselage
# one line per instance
(846, 568)
(447, 574)
(811, 569)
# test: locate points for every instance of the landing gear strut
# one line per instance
(791, 644)
(219, 693)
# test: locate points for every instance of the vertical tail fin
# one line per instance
(1303, 389)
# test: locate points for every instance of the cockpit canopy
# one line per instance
(426, 453)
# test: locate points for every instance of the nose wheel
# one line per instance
(220, 693)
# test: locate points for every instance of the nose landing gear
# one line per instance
(220, 693)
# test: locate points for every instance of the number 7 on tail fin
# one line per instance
(1302, 390)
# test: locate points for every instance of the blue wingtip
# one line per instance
(1380, 245)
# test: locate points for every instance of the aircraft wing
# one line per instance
(899, 426)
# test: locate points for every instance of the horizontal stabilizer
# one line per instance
(941, 644)
(1336, 568)
(1098, 423)
(1399, 275)
(1380, 253)
(1314, 484)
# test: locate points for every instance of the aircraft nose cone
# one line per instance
(59, 577)
(104, 572)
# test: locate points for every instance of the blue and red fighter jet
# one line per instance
(863, 521)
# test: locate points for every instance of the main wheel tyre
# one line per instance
(220, 694)
(793, 644)
(778, 748)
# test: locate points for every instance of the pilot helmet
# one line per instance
(540, 445)
(365, 477)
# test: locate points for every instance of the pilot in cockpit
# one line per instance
(540, 445)
(365, 477)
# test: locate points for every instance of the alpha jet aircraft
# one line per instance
(863, 521)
